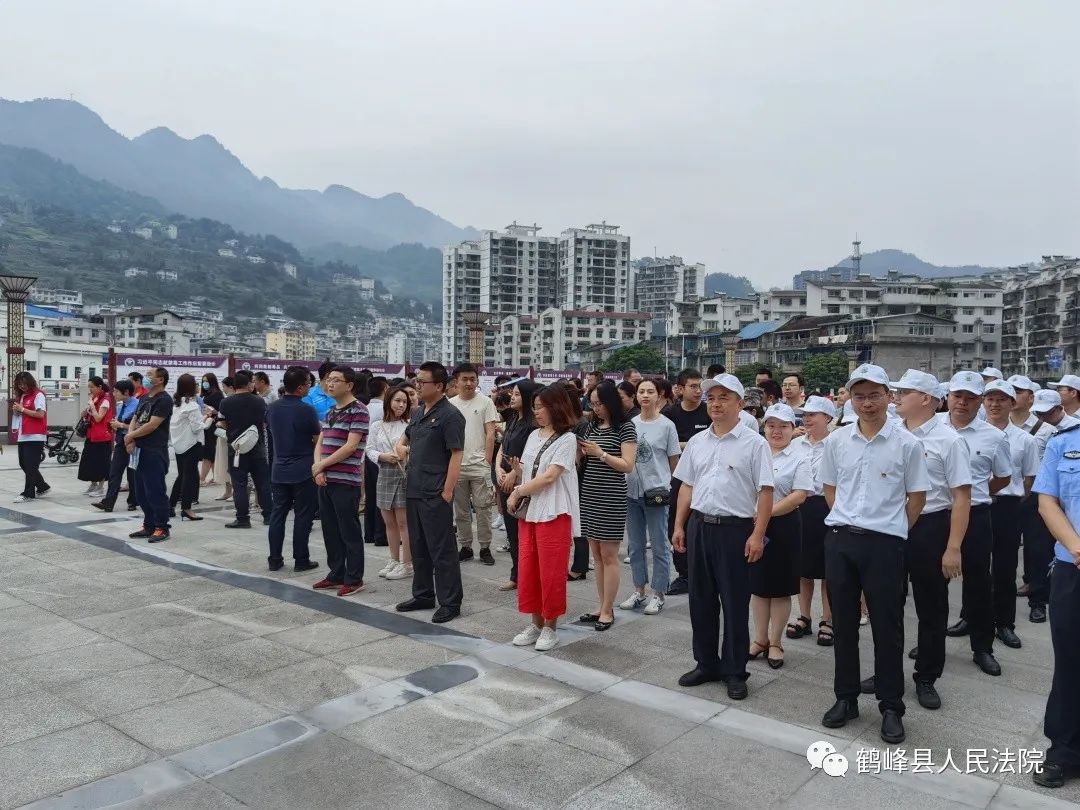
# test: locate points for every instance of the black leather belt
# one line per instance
(724, 520)
(857, 530)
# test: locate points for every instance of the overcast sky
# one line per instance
(756, 137)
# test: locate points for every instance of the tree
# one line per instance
(645, 358)
(824, 372)
(746, 374)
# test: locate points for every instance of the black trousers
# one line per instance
(719, 579)
(150, 487)
(873, 564)
(30, 463)
(339, 505)
(436, 569)
(118, 468)
(374, 527)
(511, 524)
(978, 588)
(678, 558)
(580, 563)
(300, 499)
(1038, 554)
(253, 464)
(1062, 722)
(1006, 515)
(927, 541)
(185, 487)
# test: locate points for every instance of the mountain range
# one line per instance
(879, 262)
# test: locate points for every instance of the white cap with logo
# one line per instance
(967, 381)
(868, 372)
(819, 405)
(728, 381)
(915, 380)
(780, 411)
(1020, 381)
(990, 371)
(1046, 400)
(1067, 381)
(1001, 387)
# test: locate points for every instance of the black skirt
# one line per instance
(209, 446)
(94, 461)
(776, 574)
(814, 512)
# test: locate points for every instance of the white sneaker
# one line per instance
(400, 571)
(626, 559)
(654, 605)
(548, 639)
(528, 636)
(497, 523)
(634, 601)
(386, 569)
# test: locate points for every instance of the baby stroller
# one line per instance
(58, 445)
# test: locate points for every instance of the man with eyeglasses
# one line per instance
(991, 471)
(691, 416)
(1068, 387)
(432, 446)
(875, 481)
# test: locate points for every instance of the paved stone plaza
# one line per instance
(186, 676)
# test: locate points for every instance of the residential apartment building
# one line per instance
(517, 271)
(149, 330)
(660, 282)
(515, 340)
(291, 343)
(63, 300)
(722, 313)
(562, 331)
(594, 269)
(461, 293)
(780, 305)
(1041, 321)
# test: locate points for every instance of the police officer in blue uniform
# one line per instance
(1058, 488)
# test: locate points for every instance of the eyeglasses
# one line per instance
(859, 399)
(426, 382)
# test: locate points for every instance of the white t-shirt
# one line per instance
(478, 412)
(561, 496)
(16, 421)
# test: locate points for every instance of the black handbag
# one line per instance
(523, 504)
(82, 427)
(660, 496)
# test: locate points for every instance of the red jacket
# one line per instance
(101, 431)
(32, 426)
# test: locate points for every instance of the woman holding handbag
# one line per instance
(187, 431)
(519, 426)
(97, 449)
(546, 506)
(649, 498)
(390, 488)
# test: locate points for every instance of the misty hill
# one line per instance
(201, 178)
(879, 262)
(727, 284)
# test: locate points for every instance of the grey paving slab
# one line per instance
(82, 662)
(77, 603)
(424, 733)
(240, 661)
(805, 703)
(219, 756)
(195, 796)
(643, 792)
(618, 655)
(125, 691)
(665, 673)
(510, 696)
(1036, 798)
(62, 635)
(31, 714)
(393, 657)
(610, 728)
(423, 793)
(534, 771)
(191, 720)
(298, 687)
(177, 642)
(129, 621)
(693, 708)
(568, 672)
(495, 623)
(666, 631)
(228, 601)
(338, 772)
(123, 788)
(693, 761)
(328, 637)
(23, 616)
(40, 767)
(860, 790)
(143, 574)
(12, 684)
(281, 616)
(7, 601)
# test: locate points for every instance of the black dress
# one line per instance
(209, 447)
(776, 574)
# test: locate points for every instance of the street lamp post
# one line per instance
(15, 289)
(476, 324)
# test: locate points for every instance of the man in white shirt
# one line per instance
(991, 471)
(1069, 389)
(1007, 510)
(474, 491)
(723, 509)
(936, 538)
(875, 482)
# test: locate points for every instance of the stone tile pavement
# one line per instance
(187, 676)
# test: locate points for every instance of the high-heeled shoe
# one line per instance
(575, 577)
(224, 497)
(188, 515)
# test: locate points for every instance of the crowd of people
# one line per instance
(749, 499)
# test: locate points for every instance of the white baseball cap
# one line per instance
(967, 381)
(1067, 381)
(915, 380)
(990, 371)
(941, 391)
(728, 381)
(868, 372)
(819, 405)
(1020, 381)
(1046, 400)
(1002, 387)
(780, 411)
(1035, 386)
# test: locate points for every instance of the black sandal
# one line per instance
(589, 618)
(775, 663)
(824, 634)
(602, 626)
(800, 628)
(756, 655)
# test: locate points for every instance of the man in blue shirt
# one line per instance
(317, 397)
(126, 403)
(295, 426)
(1058, 487)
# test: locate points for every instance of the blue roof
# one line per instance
(34, 311)
(756, 330)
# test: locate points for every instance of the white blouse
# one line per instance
(561, 496)
(791, 471)
(383, 438)
(816, 450)
(187, 426)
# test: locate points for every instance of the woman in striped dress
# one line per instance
(390, 486)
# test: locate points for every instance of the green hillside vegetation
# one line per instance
(727, 284)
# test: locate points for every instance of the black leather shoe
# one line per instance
(696, 677)
(840, 714)
(959, 629)
(913, 653)
(306, 565)
(892, 727)
(445, 614)
(1008, 637)
(275, 565)
(464, 553)
(1049, 776)
(485, 556)
(141, 533)
(868, 686)
(678, 587)
(1037, 615)
(101, 505)
(414, 604)
(736, 690)
(927, 694)
(987, 663)
(239, 524)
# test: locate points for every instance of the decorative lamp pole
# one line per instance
(730, 343)
(15, 289)
(476, 324)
